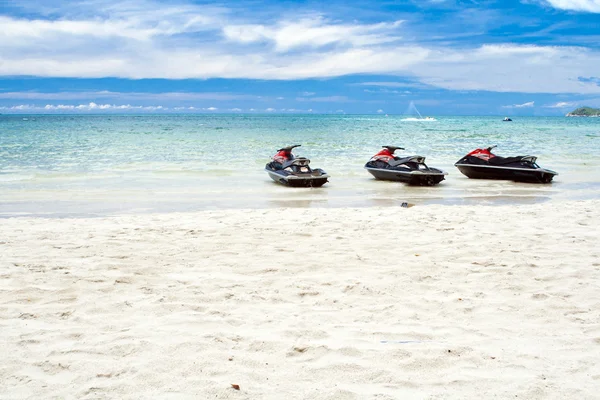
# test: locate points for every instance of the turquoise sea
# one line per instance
(87, 165)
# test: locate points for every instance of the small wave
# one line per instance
(15, 177)
(193, 173)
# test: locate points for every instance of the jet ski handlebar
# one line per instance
(301, 161)
(492, 147)
(393, 148)
(289, 148)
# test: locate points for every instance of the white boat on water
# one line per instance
(413, 108)
(426, 119)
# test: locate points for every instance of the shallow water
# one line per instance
(99, 165)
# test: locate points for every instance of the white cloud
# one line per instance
(592, 6)
(325, 99)
(21, 107)
(141, 39)
(270, 109)
(387, 91)
(139, 20)
(524, 105)
(512, 68)
(502, 50)
(528, 104)
(562, 104)
(394, 84)
(165, 96)
(82, 107)
(210, 109)
(312, 32)
(380, 111)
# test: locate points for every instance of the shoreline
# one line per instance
(482, 201)
(304, 303)
(341, 193)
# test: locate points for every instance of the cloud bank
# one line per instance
(105, 94)
(592, 6)
(94, 107)
(524, 105)
(141, 39)
(562, 104)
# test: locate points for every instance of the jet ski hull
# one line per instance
(517, 174)
(316, 178)
(430, 177)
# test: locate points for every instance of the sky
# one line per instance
(445, 57)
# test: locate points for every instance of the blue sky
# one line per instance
(449, 57)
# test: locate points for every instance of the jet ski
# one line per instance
(294, 171)
(412, 169)
(482, 164)
(506, 119)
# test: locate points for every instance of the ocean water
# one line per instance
(87, 165)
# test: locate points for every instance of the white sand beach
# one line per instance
(427, 302)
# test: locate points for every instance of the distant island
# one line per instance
(585, 112)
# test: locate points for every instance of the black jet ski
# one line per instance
(412, 169)
(294, 171)
(482, 164)
(506, 119)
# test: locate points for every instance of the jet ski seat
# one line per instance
(508, 160)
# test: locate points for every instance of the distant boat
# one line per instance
(412, 107)
(506, 119)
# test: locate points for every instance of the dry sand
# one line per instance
(429, 302)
